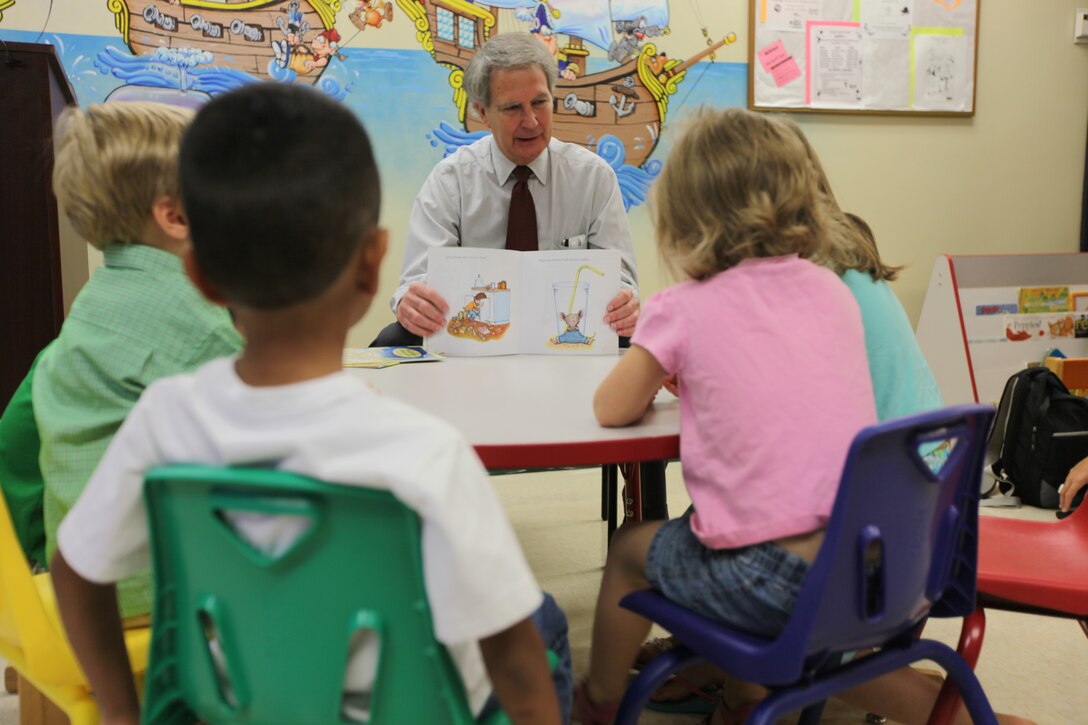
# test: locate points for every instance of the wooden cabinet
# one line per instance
(33, 92)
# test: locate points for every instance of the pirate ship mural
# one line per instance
(251, 36)
(184, 51)
(618, 110)
(615, 92)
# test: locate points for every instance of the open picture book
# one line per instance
(503, 302)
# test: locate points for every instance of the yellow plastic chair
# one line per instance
(32, 638)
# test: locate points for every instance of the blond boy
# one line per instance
(138, 318)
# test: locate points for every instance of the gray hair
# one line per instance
(505, 51)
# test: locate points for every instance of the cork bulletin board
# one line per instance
(904, 57)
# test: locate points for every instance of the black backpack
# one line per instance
(1039, 434)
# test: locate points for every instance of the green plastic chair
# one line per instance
(240, 636)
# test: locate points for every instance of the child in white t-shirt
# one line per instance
(298, 263)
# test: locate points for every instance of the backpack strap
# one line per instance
(997, 490)
(991, 479)
(1000, 500)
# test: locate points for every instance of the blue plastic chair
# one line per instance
(901, 544)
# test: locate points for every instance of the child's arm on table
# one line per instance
(518, 669)
(629, 389)
(90, 616)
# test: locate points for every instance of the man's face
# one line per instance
(520, 113)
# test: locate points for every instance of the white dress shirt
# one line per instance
(466, 201)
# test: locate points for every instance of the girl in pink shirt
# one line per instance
(767, 351)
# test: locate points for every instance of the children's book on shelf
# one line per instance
(503, 302)
(383, 357)
(1044, 299)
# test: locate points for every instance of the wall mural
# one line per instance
(616, 91)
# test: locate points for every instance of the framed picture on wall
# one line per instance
(1079, 301)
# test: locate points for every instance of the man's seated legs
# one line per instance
(655, 503)
(394, 335)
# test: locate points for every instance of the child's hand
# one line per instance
(1074, 482)
(672, 384)
(623, 313)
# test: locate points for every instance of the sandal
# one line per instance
(589, 712)
(701, 700)
(652, 648)
(729, 716)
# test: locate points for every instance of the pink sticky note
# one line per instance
(772, 55)
(786, 71)
(777, 61)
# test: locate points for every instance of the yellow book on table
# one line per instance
(383, 357)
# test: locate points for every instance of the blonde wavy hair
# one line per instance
(113, 161)
(851, 244)
(737, 185)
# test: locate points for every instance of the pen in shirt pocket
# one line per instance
(576, 242)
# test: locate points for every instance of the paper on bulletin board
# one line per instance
(833, 55)
(784, 95)
(885, 72)
(777, 61)
(791, 14)
(938, 68)
(886, 19)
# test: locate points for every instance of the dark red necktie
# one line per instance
(521, 226)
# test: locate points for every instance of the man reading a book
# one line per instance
(518, 188)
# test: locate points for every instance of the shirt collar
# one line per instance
(142, 257)
(504, 167)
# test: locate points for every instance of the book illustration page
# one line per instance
(574, 321)
(480, 287)
(566, 295)
(485, 314)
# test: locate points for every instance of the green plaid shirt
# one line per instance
(136, 320)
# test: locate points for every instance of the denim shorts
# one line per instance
(752, 588)
(551, 624)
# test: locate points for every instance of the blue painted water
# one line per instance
(402, 96)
